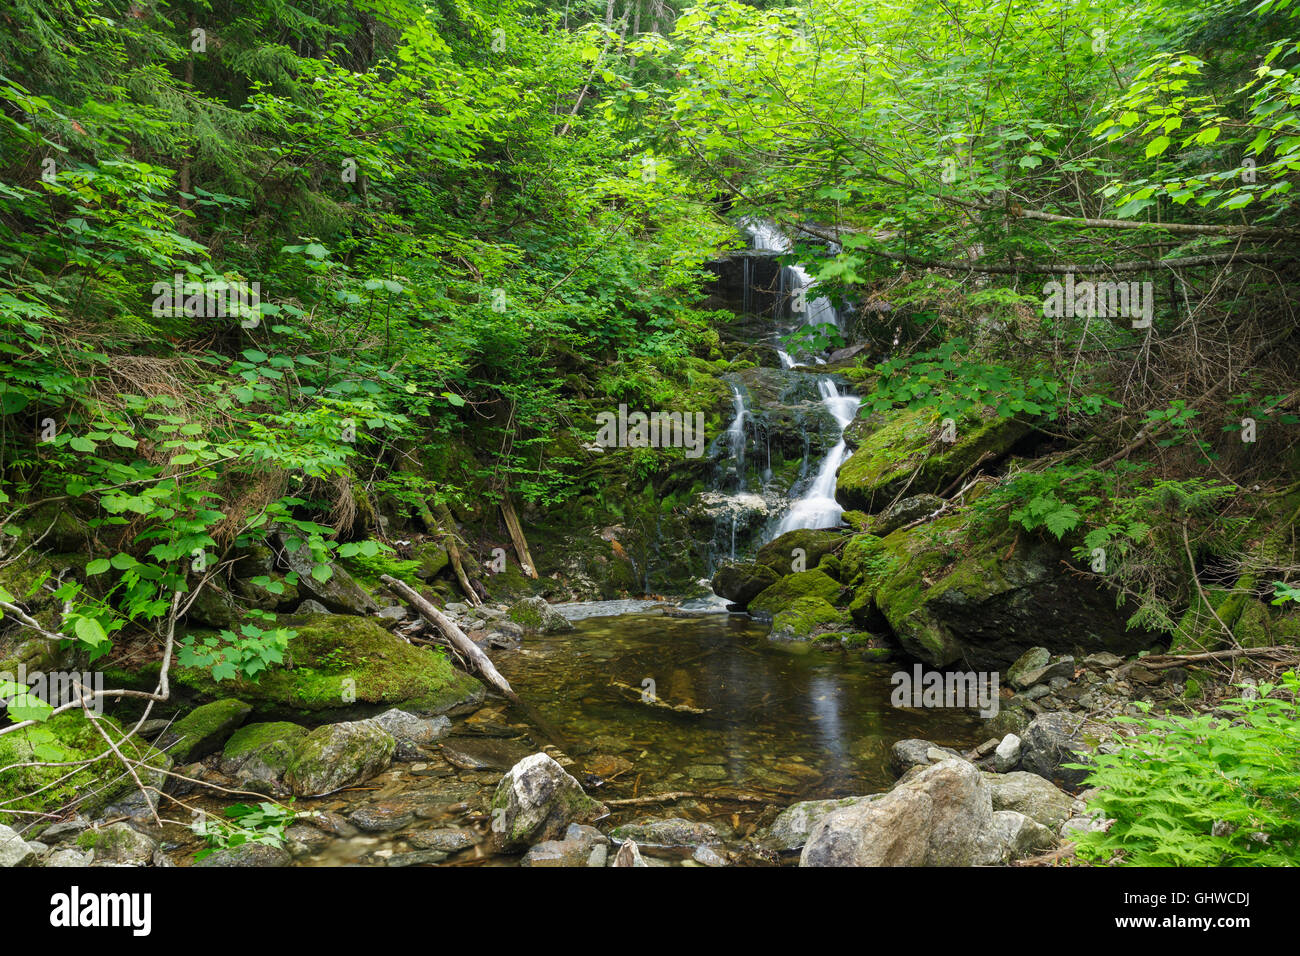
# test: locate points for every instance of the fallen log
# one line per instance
(459, 639)
(1283, 653)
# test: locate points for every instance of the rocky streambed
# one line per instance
(671, 739)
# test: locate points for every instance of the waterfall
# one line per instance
(817, 507)
(736, 436)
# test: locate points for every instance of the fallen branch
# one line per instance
(480, 661)
(1283, 653)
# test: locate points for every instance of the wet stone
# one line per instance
(445, 840)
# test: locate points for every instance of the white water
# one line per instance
(817, 508)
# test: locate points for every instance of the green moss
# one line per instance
(69, 738)
(905, 452)
(806, 616)
(255, 737)
(791, 588)
(203, 729)
(337, 662)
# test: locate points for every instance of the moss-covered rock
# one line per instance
(203, 730)
(806, 617)
(799, 550)
(907, 450)
(948, 598)
(741, 583)
(433, 558)
(793, 587)
(338, 755)
(257, 755)
(70, 739)
(343, 665)
(536, 615)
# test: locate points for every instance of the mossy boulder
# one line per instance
(948, 598)
(342, 665)
(339, 592)
(799, 550)
(907, 451)
(257, 755)
(805, 618)
(203, 730)
(793, 587)
(338, 755)
(741, 583)
(535, 614)
(536, 801)
(68, 739)
(433, 559)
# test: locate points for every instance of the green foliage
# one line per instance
(229, 655)
(1204, 791)
(264, 823)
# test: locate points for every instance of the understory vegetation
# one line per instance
(334, 279)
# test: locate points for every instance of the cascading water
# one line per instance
(816, 507)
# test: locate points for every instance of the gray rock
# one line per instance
(1014, 836)
(941, 817)
(1059, 667)
(339, 593)
(707, 856)
(448, 840)
(905, 512)
(1031, 660)
(1058, 738)
(64, 830)
(558, 853)
(1031, 795)
(338, 755)
(68, 857)
(118, 843)
(1103, 660)
(536, 801)
(393, 613)
(535, 614)
(311, 606)
(909, 753)
(790, 830)
(412, 732)
(14, 850)
(203, 730)
(248, 854)
(629, 855)
(1006, 755)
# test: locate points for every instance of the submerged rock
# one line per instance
(672, 832)
(248, 854)
(536, 801)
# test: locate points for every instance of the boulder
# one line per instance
(203, 730)
(535, 614)
(257, 756)
(791, 588)
(536, 801)
(339, 592)
(1006, 755)
(14, 850)
(904, 513)
(1031, 795)
(741, 583)
(790, 829)
(339, 755)
(941, 817)
(412, 732)
(118, 843)
(1014, 836)
(798, 550)
(912, 752)
(1033, 659)
(1054, 739)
